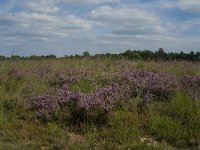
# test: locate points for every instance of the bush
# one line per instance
(164, 127)
(148, 85)
(177, 122)
(79, 105)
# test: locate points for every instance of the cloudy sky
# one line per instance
(62, 27)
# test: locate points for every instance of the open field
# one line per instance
(94, 103)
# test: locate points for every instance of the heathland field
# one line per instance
(99, 103)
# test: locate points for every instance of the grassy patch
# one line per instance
(177, 122)
(84, 86)
(157, 124)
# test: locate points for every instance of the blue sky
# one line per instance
(62, 27)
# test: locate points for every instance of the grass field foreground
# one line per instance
(94, 103)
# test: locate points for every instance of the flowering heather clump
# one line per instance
(192, 85)
(41, 71)
(15, 74)
(60, 78)
(44, 105)
(102, 98)
(67, 76)
(149, 85)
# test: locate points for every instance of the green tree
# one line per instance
(161, 54)
(15, 57)
(86, 54)
(51, 56)
(2, 57)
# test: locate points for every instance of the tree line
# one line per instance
(159, 54)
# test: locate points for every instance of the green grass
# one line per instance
(177, 122)
(174, 124)
(83, 86)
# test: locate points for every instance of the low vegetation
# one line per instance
(99, 103)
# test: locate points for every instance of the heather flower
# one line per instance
(102, 98)
(44, 105)
(40, 71)
(15, 74)
(191, 84)
(132, 83)
(67, 76)
(148, 85)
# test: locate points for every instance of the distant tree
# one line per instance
(86, 54)
(51, 56)
(197, 55)
(43, 57)
(77, 55)
(192, 56)
(24, 57)
(15, 57)
(161, 51)
(107, 54)
(71, 56)
(2, 57)
(146, 54)
(171, 56)
(99, 55)
(132, 54)
(34, 57)
(182, 55)
(160, 54)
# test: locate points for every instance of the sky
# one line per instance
(67, 27)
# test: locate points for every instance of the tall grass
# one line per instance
(159, 124)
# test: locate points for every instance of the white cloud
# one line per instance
(127, 20)
(49, 6)
(166, 4)
(90, 1)
(35, 26)
(42, 6)
(190, 5)
(188, 24)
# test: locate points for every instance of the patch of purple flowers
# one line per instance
(129, 84)
(67, 76)
(14, 73)
(191, 84)
(148, 85)
(102, 98)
